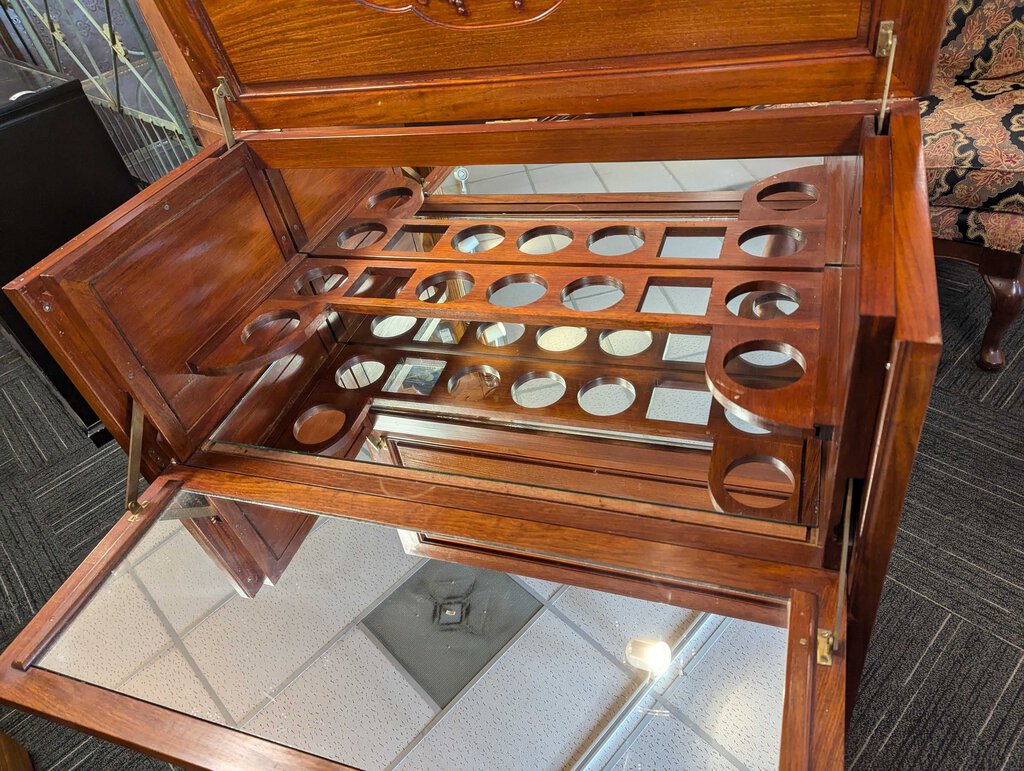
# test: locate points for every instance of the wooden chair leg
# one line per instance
(1002, 273)
(1007, 303)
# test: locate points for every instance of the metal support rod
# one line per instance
(843, 565)
(131, 494)
(883, 110)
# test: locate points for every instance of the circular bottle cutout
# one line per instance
(559, 339)
(773, 241)
(764, 364)
(743, 425)
(318, 424)
(387, 327)
(546, 239)
(535, 390)
(762, 300)
(499, 333)
(359, 372)
(625, 342)
(516, 290)
(474, 383)
(478, 239)
(787, 196)
(593, 293)
(268, 328)
(445, 287)
(361, 236)
(759, 481)
(606, 396)
(616, 240)
(320, 280)
(390, 199)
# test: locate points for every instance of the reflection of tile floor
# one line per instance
(295, 665)
(647, 177)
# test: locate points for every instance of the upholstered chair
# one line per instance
(974, 154)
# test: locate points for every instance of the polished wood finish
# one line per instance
(911, 371)
(1003, 274)
(547, 57)
(226, 251)
(92, 301)
(739, 134)
(13, 757)
(314, 199)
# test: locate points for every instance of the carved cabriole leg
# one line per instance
(1003, 273)
(1007, 303)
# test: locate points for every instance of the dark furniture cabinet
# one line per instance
(61, 173)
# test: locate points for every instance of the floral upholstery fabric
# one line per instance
(994, 229)
(974, 126)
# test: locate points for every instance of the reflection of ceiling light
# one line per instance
(652, 656)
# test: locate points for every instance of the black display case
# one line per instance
(60, 173)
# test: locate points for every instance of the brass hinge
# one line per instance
(885, 48)
(828, 639)
(132, 507)
(222, 94)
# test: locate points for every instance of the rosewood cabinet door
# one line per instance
(380, 648)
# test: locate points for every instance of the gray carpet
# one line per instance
(944, 685)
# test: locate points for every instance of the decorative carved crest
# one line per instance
(469, 14)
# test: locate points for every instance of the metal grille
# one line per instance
(103, 44)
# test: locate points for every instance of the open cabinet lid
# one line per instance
(307, 63)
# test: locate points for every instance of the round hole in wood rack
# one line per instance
(499, 333)
(516, 290)
(538, 389)
(359, 372)
(604, 396)
(361, 236)
(616, 240)
(445, 287)
(318, 424)
(743, 425)
(787, 196)
(593, 293)
(773, 241)
(269, 327)
(387, 327)
(625, 342)
(547, 239)
(474, 383)
(759, 481)
(560, 339)
(765, 364)
(320, 280)
(390, 199)
(477, 239)
(762, 300)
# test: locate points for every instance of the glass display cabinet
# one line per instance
(644, 418)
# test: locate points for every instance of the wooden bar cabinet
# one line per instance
(294, 323)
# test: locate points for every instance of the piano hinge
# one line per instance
(885, 48)
(222, 94)
(828, 639)
(132, 507)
